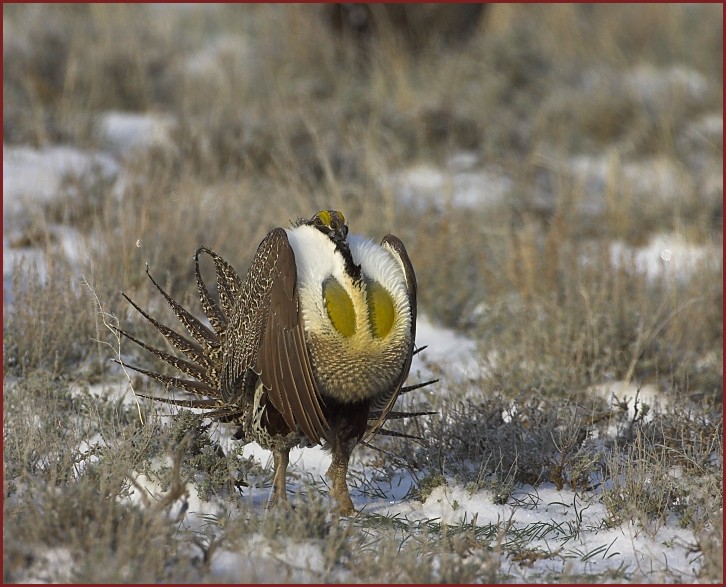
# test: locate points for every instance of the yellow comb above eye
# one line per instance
(380, 308)
(326, 216)
(339, 307)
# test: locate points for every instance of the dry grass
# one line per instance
(274, 118)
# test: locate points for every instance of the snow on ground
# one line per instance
(631, 398)
(646, 182)
(66, 240)
(658, 85)
(619, 392)
(667, 255)
(20, 256)
(571, 528)
(113, 391)
(264, 561)
(568, 527)
(50, 565)
(35, 176)
(191, 511)
(562, 530)
(445, 347)
(123, 132)
(210, 67)
(707, 129)
(460, 183)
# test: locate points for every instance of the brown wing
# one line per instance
(266, 339)
(384, 404)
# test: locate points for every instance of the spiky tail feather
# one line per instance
(203, 361)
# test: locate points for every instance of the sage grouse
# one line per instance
(312, 347)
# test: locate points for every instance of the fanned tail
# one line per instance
(203, 362)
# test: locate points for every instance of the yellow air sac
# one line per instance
(339, 307)
(380, 309)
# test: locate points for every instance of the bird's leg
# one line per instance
(279, 482)
(337, 473)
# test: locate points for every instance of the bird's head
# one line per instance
(332, 224)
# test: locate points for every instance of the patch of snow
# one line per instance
(305, 560)
(34, 176)
(264, 561)
(113, 391)
(225, 56)
(197, 509)
(654, 180)
(421, 178)
(462, 161)
(123, 132)
(252, 565)
(447, 348)
(189, 509)
(72, 244)
(623, 392)
(566, 525)
(654, 85)
(312, 461)
(627, 397)
(68, 241)
(30, 258)
(51, 565)
(658, 178)
(64, 239)
(465, 187)
(144, 490)
(667, 255)
(708, 127)
(85, 450)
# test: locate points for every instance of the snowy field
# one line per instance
(541, 531)
(551, 532)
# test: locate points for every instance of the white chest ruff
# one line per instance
(364, 363)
